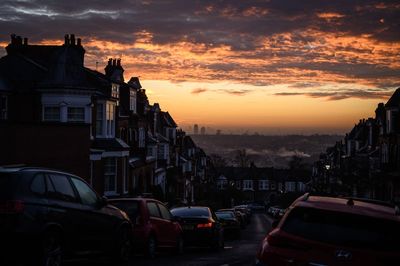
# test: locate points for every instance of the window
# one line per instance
(3, 107)
(38, 185)
(110, 119)
(62, 187)
(222, 184)
(132, 100)
(263, 184)
(273, 186)
(131, 208)
(99, 119)
(76, 114)
(153, 209)
(165, 214)
(290, 186)
(115, 91)
(87, 195)
(247, 184)
(110, 171)
(51, 113)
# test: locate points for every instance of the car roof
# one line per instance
(191, 207)
(16, 169)
(352, 206)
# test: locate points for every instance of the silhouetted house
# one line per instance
(367, 164)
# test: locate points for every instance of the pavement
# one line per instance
(236, 252)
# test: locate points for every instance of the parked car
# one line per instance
(46, 215)
(239, 215)
(333, 231)
(230, 224)
(276, 211)
(200, 226)
(256, 207)
(246, 211)
(154, 227)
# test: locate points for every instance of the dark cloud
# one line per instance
(199, 90)
(286, 35)
(236, 92)
(343, 94)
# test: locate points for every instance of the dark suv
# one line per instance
(46, 215)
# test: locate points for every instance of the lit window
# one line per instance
(76, 114)
(51, 113)
(110, 170)
(110, 119)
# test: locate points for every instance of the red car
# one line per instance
(333, 231)
(154, 226)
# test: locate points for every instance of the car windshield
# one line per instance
(344, 229)
(130, 207)
(191, 212)
(225, 215)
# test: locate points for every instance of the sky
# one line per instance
(271, 66)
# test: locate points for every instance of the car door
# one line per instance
(97, 222)
(168, 226)
(65, 209)
(156, 221)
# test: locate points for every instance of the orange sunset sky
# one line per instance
(272, 67)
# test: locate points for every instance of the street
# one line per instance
(236, 252)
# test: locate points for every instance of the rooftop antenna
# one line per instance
(97, 64)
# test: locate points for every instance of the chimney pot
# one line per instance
(118, 62)
(109, 61)
(78, 41)
(66, 38)
(114, 62)
(72, 39)
(25, 41)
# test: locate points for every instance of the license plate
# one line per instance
(187, 227)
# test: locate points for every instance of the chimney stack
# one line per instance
(13, 38)
(118, 62)
(72, 39)
(109, 61)
(66, 38)
(19, 40)
(25, 41)
(78, 41)
(114, 62)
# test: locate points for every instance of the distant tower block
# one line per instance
(203, 131)
(196, 129)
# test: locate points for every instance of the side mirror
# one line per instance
(274, 224)
(103, 201)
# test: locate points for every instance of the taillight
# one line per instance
(207, 225)
(11, 206)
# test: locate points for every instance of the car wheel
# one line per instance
(124, 247)
(151, 247)
(179, 246)
(52, 251)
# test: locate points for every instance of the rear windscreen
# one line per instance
(343, 229)
(191, 212)
(131, 208)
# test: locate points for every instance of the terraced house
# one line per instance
(57, 113)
